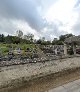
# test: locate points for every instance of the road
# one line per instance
(70, 87)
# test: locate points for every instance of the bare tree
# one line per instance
(29, 37)
(19, 33)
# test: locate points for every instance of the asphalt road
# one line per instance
(70, 87)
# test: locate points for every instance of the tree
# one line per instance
(58, 42)
(29, 37)
(63, 37)
(2, 39)
(45, 42)
(39, 41)
(16, 40)
(8, 39)
(43, 38)
(19, 33)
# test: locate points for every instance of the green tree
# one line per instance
(2, 38)
(63, 37)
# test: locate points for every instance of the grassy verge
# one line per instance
(4, 48)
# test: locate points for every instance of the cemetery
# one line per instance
(39, 45)
(36, 62)
(31, 55)
(40, 53)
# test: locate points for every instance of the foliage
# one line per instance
(29, 40)
(13, 40)
(63, 37)
(58, 42)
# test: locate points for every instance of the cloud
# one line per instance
(49, 18)
(78, 3)
(7, 26)
(66, 13)
(76, 27)
(53, 30)
(24, 10)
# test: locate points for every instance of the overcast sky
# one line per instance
(48, 18)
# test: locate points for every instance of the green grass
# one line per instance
(4, 48)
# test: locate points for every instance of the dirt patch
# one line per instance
(44, 82)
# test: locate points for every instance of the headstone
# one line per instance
(65, 49)
(0, 55)
(19, 51)
(74, 49)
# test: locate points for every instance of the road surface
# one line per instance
(70, 87)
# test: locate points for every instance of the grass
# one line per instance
(4, 48)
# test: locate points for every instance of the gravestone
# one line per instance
(10, 54)
(0, 54)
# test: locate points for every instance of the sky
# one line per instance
(43, 18)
